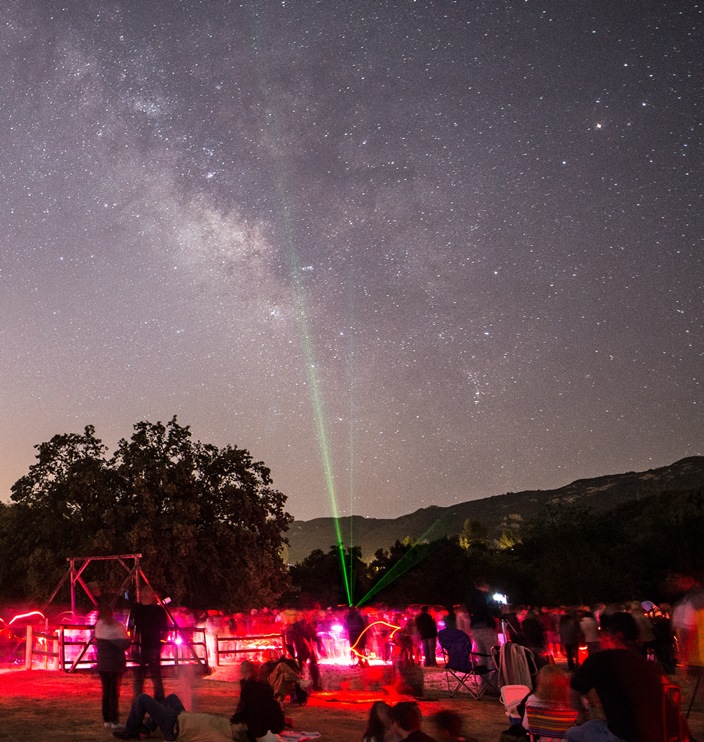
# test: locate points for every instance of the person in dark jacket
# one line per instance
(570, 636)
(534, 636)
(428, 633)
(111, 641)
(149, 624)
(483, 613)
(305, 643)
(630, 689)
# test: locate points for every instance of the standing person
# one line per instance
(428, 633)
(111, 640)
(403, 642)
(482, 621)
(570, 636)
(549, 624)
(646, 635)
(534, 636)
(305, 643)
(356, 625)
(287, 618)
(510, 625)
(148, 624)
(590, 630)
(688, 625)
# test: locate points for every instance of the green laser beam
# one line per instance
(351, 448)
(321, 429)
(301, 312)
(409, 560)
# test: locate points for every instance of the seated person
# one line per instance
(629, 688)
(378, 723)
(257, 713)
(257, 708)
(405, 723)
(284, 676)
(174, 721)
(548, 708)
(448, 727)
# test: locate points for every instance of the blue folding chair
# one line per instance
(463, 668)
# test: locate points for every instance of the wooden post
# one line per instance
(28, 648)
(62, 648)
(72, 570)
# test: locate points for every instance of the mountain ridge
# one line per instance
(497, 513)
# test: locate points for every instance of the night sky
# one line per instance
(406, 253)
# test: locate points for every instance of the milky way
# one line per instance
(409, 253)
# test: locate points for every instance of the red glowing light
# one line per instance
(366, 628)
(26, 615)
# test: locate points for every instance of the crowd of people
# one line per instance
(622, 653)
(379, 632)
(403, 721)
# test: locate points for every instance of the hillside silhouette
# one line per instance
(497, 514)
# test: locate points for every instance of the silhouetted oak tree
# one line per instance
(207, 520)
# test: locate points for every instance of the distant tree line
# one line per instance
(568, 555)
(212, 529)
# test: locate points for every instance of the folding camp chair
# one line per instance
(547, 722)
(516, 665)
(464, 668)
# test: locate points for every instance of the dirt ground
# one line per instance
(43, 705)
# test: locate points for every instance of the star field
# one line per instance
(454, 247)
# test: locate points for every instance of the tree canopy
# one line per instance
(211, 528)
(207, 520)
(319, 577)
(565, 555)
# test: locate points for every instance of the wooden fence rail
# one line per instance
(71, 647)
(247, 647)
